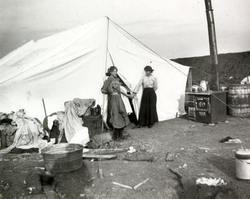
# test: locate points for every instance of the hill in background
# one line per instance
(236, 65)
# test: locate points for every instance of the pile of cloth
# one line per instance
(28, 132)
(75, 132)
(68, 125)
(7, 129)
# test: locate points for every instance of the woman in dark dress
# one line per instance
(117, 117)
(148, 111)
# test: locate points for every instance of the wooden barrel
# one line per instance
(239, 100)
(64, 157)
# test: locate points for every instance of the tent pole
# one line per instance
(128, 89)
(106, 62)
(100, 172)
(214, 84)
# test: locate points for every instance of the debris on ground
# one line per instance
(206, 149)
(130, 187)
(169, 157)
(210, 124)
(140, 184)
(230, 140)
(210, 181)
(178, 176)
(184, 166)
(30, 189)
(4, 185)
(122, 185)
(139, 156)
(131, 149)
(100, 139)
(235, 141)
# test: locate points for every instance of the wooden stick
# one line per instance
(44, 108)
(100, 173)
(141, 183)
(122, 185)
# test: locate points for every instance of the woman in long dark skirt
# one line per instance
(117, 117)
(148, 111)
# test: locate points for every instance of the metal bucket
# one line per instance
(239, 100)
(60, 158)
(242, 163)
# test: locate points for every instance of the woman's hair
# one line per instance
(110, 70)
(148, 68)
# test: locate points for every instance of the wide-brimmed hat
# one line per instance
(148, 68)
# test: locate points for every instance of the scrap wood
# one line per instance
(122, 185)
(141, 183)
(178, 175)
(230, 139)
(204, 148)
(175, 172)
(100, 173)
(139, 156)
(130, 187)
(106, 151)
(99, 157)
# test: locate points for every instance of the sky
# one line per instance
(173, 28)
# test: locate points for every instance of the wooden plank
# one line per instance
(106, 151)
(98, 157)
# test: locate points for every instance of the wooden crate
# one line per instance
(94, 124)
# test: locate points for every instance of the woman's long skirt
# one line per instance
(148, 113)
(118, 115)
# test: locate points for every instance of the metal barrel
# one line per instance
(63, 157)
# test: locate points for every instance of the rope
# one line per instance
(146, 47)
(119, 28)
(154, 52)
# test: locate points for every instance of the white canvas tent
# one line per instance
(73, 63)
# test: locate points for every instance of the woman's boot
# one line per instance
(115, 134)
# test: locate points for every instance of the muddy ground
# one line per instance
(197, 152)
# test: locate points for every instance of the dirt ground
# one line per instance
(196, 151)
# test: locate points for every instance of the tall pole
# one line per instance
(214, 80)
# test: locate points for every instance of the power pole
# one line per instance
(214, 80)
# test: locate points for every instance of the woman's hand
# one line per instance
(131, 96)
(134, 94)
